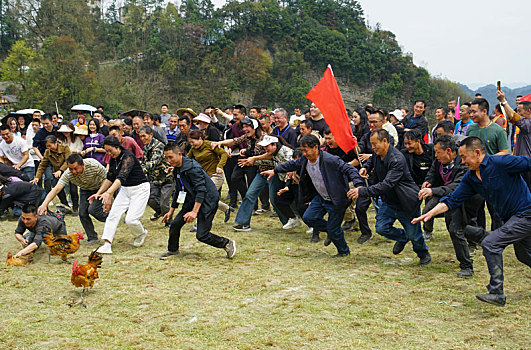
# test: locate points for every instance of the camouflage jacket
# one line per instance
(154, 164)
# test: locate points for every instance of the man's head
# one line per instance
(184, 124)
(36, 115)
(309, 145)
(6, 133)
(99, 115)
(173, 121)
(314, 111)
(297, 111)
(524, 109)
(263, 110)
(452, 104)
(54, 117)
(173, 154)
(46, 121)
(280, 117)
(479, 110)
(329, 138)
(146, 134)
(137, 123)
(164, 109)
(376, 119)
(36, 124)
(149, 120)
(128, 126)
(440, 113)
(445, 149)
(305, 127)
(239, 112)
(265, 122)
(74, 162)
(518, 99)
(253, 112)
(472, 151)
(418, 108)
(478, 95)
(412, 142)
(445, 127)
(380, 142)
(116, 132)
(29, 215)
(464, 111)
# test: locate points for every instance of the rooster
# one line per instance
(85, 275)
(22, 261)
(63, 244)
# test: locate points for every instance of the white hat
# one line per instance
(268, 139)
(202, 117)
(398, 114)
(64, 128)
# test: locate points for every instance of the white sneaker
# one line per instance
(105, 249)
(291, 224)
(139, 240)
(310, 230)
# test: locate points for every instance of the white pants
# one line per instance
(132, 199)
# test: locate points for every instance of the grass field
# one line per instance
(280, 291)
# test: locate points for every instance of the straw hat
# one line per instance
(81, 130)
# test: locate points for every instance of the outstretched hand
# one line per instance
(424, 218)
(269, 173)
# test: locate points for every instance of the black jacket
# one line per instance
(438, 187)
(393, 182)
(336, 175)
(20, 194)
(197, 185)
(419, 173)
(8, 171)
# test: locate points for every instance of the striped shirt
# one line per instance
(90, 179)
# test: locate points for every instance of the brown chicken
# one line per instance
(85, 275)
(22, 261)
(62, 245)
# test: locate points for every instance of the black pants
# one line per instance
(203, 234)
(85, 210)
(242, 178)
(362, 205)
(288, 201)
(233, 190)
(456, 220)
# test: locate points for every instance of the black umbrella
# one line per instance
(135, 112)
(27, 117)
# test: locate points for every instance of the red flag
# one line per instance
(327, 98)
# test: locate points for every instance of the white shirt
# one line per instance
(30, 134)
(15, 151)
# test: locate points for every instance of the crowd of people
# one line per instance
(287, 167)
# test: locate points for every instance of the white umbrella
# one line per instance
(84, 108)
(29, 111)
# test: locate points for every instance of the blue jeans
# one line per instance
(385, 219)
(251, 197)
(313, 217)
(29, 171)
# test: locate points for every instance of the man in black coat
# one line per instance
(16, 195)
(199, 198)
(399, 194)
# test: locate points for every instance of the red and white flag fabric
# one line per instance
(327, 97)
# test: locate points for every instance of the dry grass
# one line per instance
(280, 291)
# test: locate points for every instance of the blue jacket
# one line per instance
(197, 185)
(336, 176)
(501, 185)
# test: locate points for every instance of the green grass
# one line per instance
(280, 291)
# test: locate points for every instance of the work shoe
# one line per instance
(241, 228)
(292, 223)
(364, 238)
(227, 215)
(92, 241)
(155, 216)
(495, 299)
(104, 249)
(425, 260)
(428, 236)
(230, 248)
(465, 273)
(315, 236)
(347, 225)
(341, 255)
(167, 254)
(327, 240)
(261, 211)
(475, 234)
(398, 247)
(139, 240)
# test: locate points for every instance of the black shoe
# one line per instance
(495, 299)
(428, 236)
(465, 273)
(227, 215)
(364, 238)
(242, 228)
(154, 216)
(315, 236)
(347, 225)
(475, 234)
(341, 255)
(273, 215)
(398, 247)
(425, 260)
(327, 240)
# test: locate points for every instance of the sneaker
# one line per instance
(194, 229)
(398, 247)
(315, 236)
(364, 238)
(167, 254)
(327, 240)
(465, 273)
(139, 240)
(65, 209)
(428, 236)
(341, 255)
(242, 228)
(227, 215)
(495, 299)
(310, 230)
(92, 241)
(347, 225)
(273, 215)
(104, 249)
(292, 223)
(155, 216)
(261, 211)
(230, 248)
(425, 260)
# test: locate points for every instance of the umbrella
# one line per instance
(27, 117)
(135, 112)
(29, 111)
(84, 108)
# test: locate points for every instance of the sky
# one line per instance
(471, 42)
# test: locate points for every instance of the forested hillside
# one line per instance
(256, 52)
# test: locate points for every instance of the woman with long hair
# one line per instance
(360, 121)
(14, 127)
(93, 147)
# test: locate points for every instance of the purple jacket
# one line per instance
(97, 142)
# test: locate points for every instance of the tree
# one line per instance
(17, 64)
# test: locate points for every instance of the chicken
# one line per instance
(85, 275)
(22, 261)
(62, 245)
